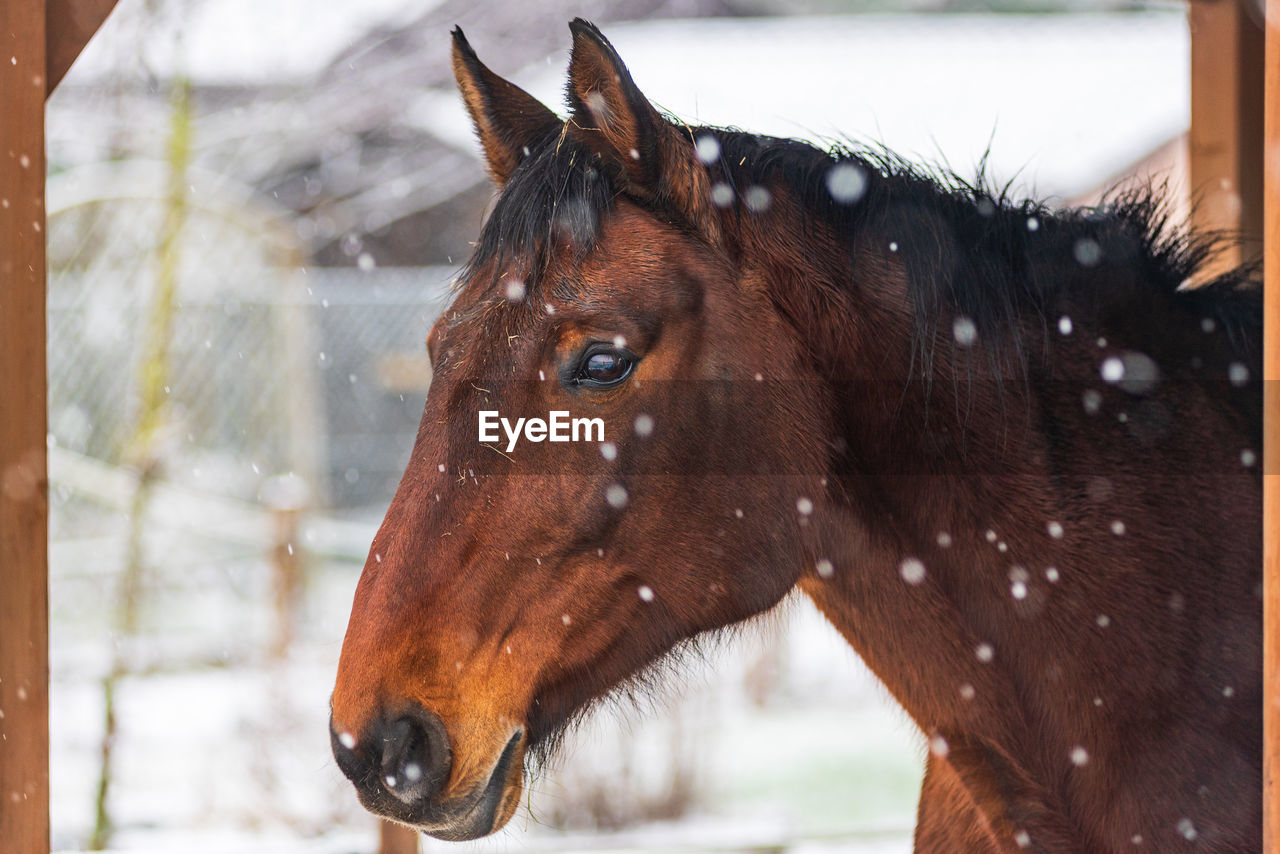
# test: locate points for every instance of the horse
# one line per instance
(1010, 452)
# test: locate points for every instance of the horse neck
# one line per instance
(895, 393)
(896, 416)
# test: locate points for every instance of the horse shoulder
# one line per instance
(977, 798)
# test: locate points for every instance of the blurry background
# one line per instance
(255, 208)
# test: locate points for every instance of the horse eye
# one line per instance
(605, 368)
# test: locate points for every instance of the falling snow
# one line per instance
(1091, 400)
(912, 570)
(965, 332)
(708, 149)
(616, 495)
(1087, 251)
(846, 183)
(757, 199)
(1018, 578)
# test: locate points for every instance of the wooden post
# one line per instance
(24, 585)
(33, 57)
(396, 838)
(1226, 124)
(71, 23)
(287, 497)
(1271, 440)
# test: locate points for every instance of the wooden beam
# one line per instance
(1226, 124)
(396, 838)
(69, 26)
(24, 588)
(1271, 439)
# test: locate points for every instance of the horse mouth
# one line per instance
(485, 809)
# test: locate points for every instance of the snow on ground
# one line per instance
(786, 738)
(1064, 101)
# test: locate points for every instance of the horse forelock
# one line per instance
(557, 198)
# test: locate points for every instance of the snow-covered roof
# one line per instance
(1063, 101)
(241, 42)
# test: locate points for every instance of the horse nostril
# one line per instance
(415, 757)
(345, 753)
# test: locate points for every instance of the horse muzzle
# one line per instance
(401, 767)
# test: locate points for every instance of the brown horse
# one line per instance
(1006, 451)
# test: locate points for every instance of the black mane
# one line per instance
(969, 249)
(973, 250)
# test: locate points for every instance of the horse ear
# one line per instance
(508, 120)
(610, 114)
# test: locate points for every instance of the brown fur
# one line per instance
(501, 592)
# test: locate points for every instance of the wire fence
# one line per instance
(272, 368)
(290, 396)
